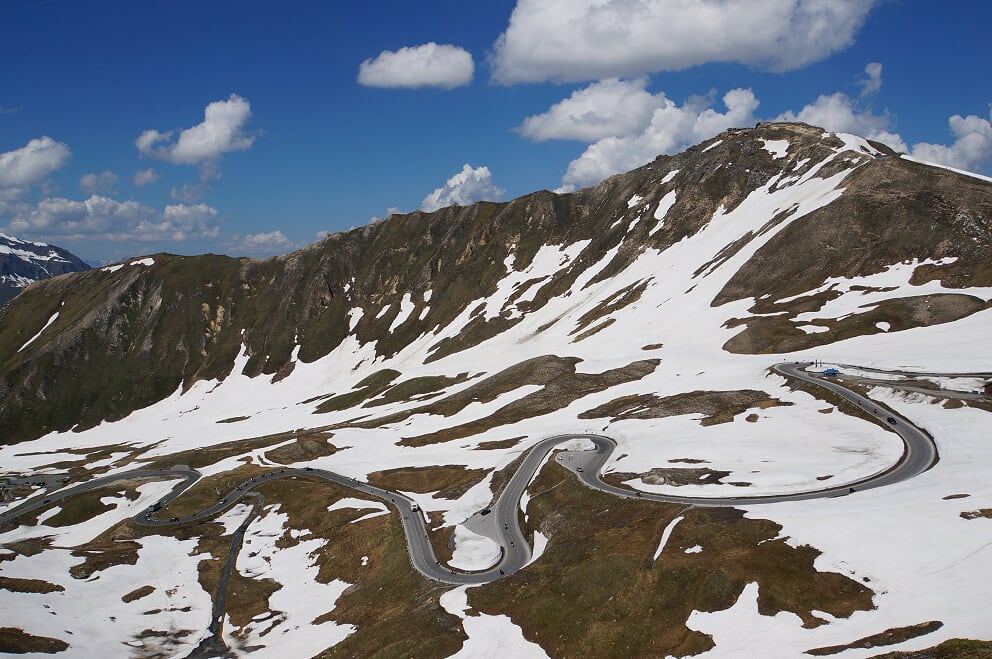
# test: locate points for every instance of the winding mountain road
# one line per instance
(919, 455)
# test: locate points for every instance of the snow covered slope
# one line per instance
(23, 262)
(430, 351)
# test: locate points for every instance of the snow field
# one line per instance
(90, 615)
(289, 630)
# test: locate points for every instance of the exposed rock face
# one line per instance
(127, 337)
(23, 262)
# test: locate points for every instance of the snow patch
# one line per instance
(474, 552)
(666, 534)
(488, 636)
(51, 320)
(778, 148)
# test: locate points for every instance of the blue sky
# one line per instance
(262, 127)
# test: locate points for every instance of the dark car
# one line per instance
(891, 420)
(485, 511)
(578, 469)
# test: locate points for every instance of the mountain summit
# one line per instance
(23, 262)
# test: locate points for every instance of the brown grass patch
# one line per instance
(449, 481)
(137, 594)
(500, 443)
(17, 641)
(305, 448)
(888, 637)
(717, 406)
(955, 648)
(15, 585)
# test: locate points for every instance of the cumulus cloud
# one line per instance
(971, 150)
(271, 242)
(102, 218)
(429, 65)
(221, 131)
(671, 128)
(104, 183)
(606, 108)
(145, 177)
(466, 187)
(574, 40)
(32, 163)
(873, 80)
(839, 113)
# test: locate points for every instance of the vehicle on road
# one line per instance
(485, 511)
(415, 507)
(891, 420)
(578, 469)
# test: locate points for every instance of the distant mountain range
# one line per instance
(23, 262)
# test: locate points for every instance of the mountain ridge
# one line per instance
(189, 317)
(426, 354)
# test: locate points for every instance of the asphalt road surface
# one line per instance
(919, 455)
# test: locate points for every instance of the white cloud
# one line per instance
(429, 65)
(222, 131)
(873, 82)
(104, 183)
(574, 40)
(262, 243)
(838, 113)
(972, 150)
(466, 187)
(671, 129)
(190, 193)
(30, 164)
(145, 177)
(606, 108)
(101, 218)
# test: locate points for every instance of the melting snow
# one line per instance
(51, 320)
(474, 552)
(661, 211)
(778, 148)
(488, 636)
(406, 308)
(665, 536)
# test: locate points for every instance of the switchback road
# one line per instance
(920, 454)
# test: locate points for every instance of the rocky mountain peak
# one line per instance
(23, 262)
